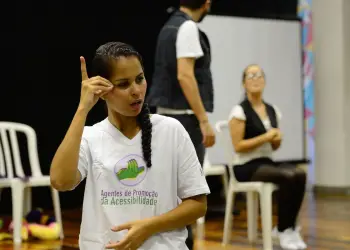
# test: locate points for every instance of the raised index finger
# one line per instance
(84, 75)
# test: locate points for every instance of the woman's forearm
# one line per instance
(251, 144)
(64, 166)
(185, 214)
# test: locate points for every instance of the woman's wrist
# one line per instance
(81, 110)
(151, 226)
(266, 137)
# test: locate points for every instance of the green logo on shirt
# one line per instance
(131, 170)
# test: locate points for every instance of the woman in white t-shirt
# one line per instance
(144, 183)
(255, 135)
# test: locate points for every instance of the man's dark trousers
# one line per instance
(191, 124)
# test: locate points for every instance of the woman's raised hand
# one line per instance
(92, 88)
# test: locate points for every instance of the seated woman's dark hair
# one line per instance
(101, 66)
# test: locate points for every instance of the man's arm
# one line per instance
(189, 86)
(188, 49)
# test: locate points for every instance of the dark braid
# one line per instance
(146, 126)
(102, 67)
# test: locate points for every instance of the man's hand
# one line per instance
(208, 134)
(138, 232)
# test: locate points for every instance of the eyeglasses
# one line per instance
(256, 75)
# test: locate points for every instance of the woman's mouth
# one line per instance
(136, 105)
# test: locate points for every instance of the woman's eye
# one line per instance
(139, 79)
(123, 84)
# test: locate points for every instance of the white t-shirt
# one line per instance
(187, 41)
(265, 150)
(120, 188)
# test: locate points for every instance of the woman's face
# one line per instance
(254, 81)
(128, 94)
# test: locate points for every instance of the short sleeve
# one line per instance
(191, 179)
(278, 113)
(85, 161)
(187, 42)
(237, 112)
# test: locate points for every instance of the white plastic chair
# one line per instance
(14, 175)
(253, 189)
(210, 170)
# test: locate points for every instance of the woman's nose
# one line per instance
(135, 89)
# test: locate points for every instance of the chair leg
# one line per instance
(252, 211)
(266, 216)
(225, 183)
(228, 216)
(27, 204)
(17, 190)
(57, 208)
(200, 232)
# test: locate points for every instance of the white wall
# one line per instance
(346, 28)
(332, 124)
(276, 46)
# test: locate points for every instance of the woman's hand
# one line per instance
(92, 88)
(138, 232)
(272, 133)
(276, 141)
(277, 138)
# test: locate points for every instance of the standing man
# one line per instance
(182, 82)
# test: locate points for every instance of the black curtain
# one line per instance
(275, 9)
(41, 73)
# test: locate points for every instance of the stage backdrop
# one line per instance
(276, 46)
(305, 14)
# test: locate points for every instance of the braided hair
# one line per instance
(101, 66)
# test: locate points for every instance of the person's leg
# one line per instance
(191, 125)
(299, 177)
(290, 196)
(300, 186)
(299, 192)
(285, 180)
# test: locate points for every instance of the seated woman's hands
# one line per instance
(272, 134)
(277, 137)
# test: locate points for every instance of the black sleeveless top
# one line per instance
(254, 126)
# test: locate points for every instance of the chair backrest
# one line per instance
(9, 150)
(222, 127)
(206, 163)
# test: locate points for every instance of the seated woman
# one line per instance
(254, 128)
